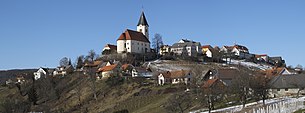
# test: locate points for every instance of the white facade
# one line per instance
(165, 50)
(132, 46)
(209, 53)
(161, 79)
(285, 72)
(284, 92)
(39, 73)
(143, 29)
(187, 47)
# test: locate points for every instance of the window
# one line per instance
(127, 43)
(140, 30)
(128, 48)
(278, 89)
(286, 89)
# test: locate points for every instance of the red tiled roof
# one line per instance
(125, 66)
(176, 74)
(258, 56)
(227, 73)
(241, 47)
(273, 72)
(95, 64)
(207, 46)
(133, 35)
(112, 47)
(209, 83)
(107, 68)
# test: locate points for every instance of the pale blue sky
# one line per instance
(38, 33)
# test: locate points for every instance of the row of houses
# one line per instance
(283, 82)
(59, 71)
(137, 42)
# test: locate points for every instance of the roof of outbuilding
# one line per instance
(185, 44)
(209, 83)
(288, 81)
(176, 74)
(107, 68)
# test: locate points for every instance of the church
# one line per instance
(132, 41)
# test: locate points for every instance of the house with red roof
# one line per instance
(109, 48)
(239, 51)
(127, 69)
(212, 83)
(262, 57)
(209, 51)
(132, 41)
(175, 77)
(107, 71)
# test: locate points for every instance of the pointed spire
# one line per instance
(142, 20)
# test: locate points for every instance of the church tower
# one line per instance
(143, 25)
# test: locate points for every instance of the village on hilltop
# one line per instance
(185, 62)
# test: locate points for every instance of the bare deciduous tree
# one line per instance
(91, 56)
(157, 42)
(241, 86)
(64, 62)
(179, 103)
(260, 87)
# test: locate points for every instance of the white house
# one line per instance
(165, 49)
(107, 71)
(42, 72)
(110, 48)
(63, 70)
(209, 51)
(287, 85)
(135, 41)
(175, 77)
(238, 50)
(187, 47)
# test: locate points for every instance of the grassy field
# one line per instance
(300, 111)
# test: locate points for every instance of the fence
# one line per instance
(288, 106)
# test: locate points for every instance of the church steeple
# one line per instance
(143, 25)
(142, 20)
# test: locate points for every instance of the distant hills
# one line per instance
(11, 74)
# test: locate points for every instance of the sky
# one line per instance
(38, 33)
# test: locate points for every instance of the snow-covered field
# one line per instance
(271, 102)
(165, 65)
(251, 64)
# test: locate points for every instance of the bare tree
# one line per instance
(212, 95)
(198, 79)
(179, 103)
(299, 66)
(64, 62)
(241, 86)
(260, 87)
(157, 42)
(91, 56)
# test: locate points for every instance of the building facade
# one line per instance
(135, 41)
